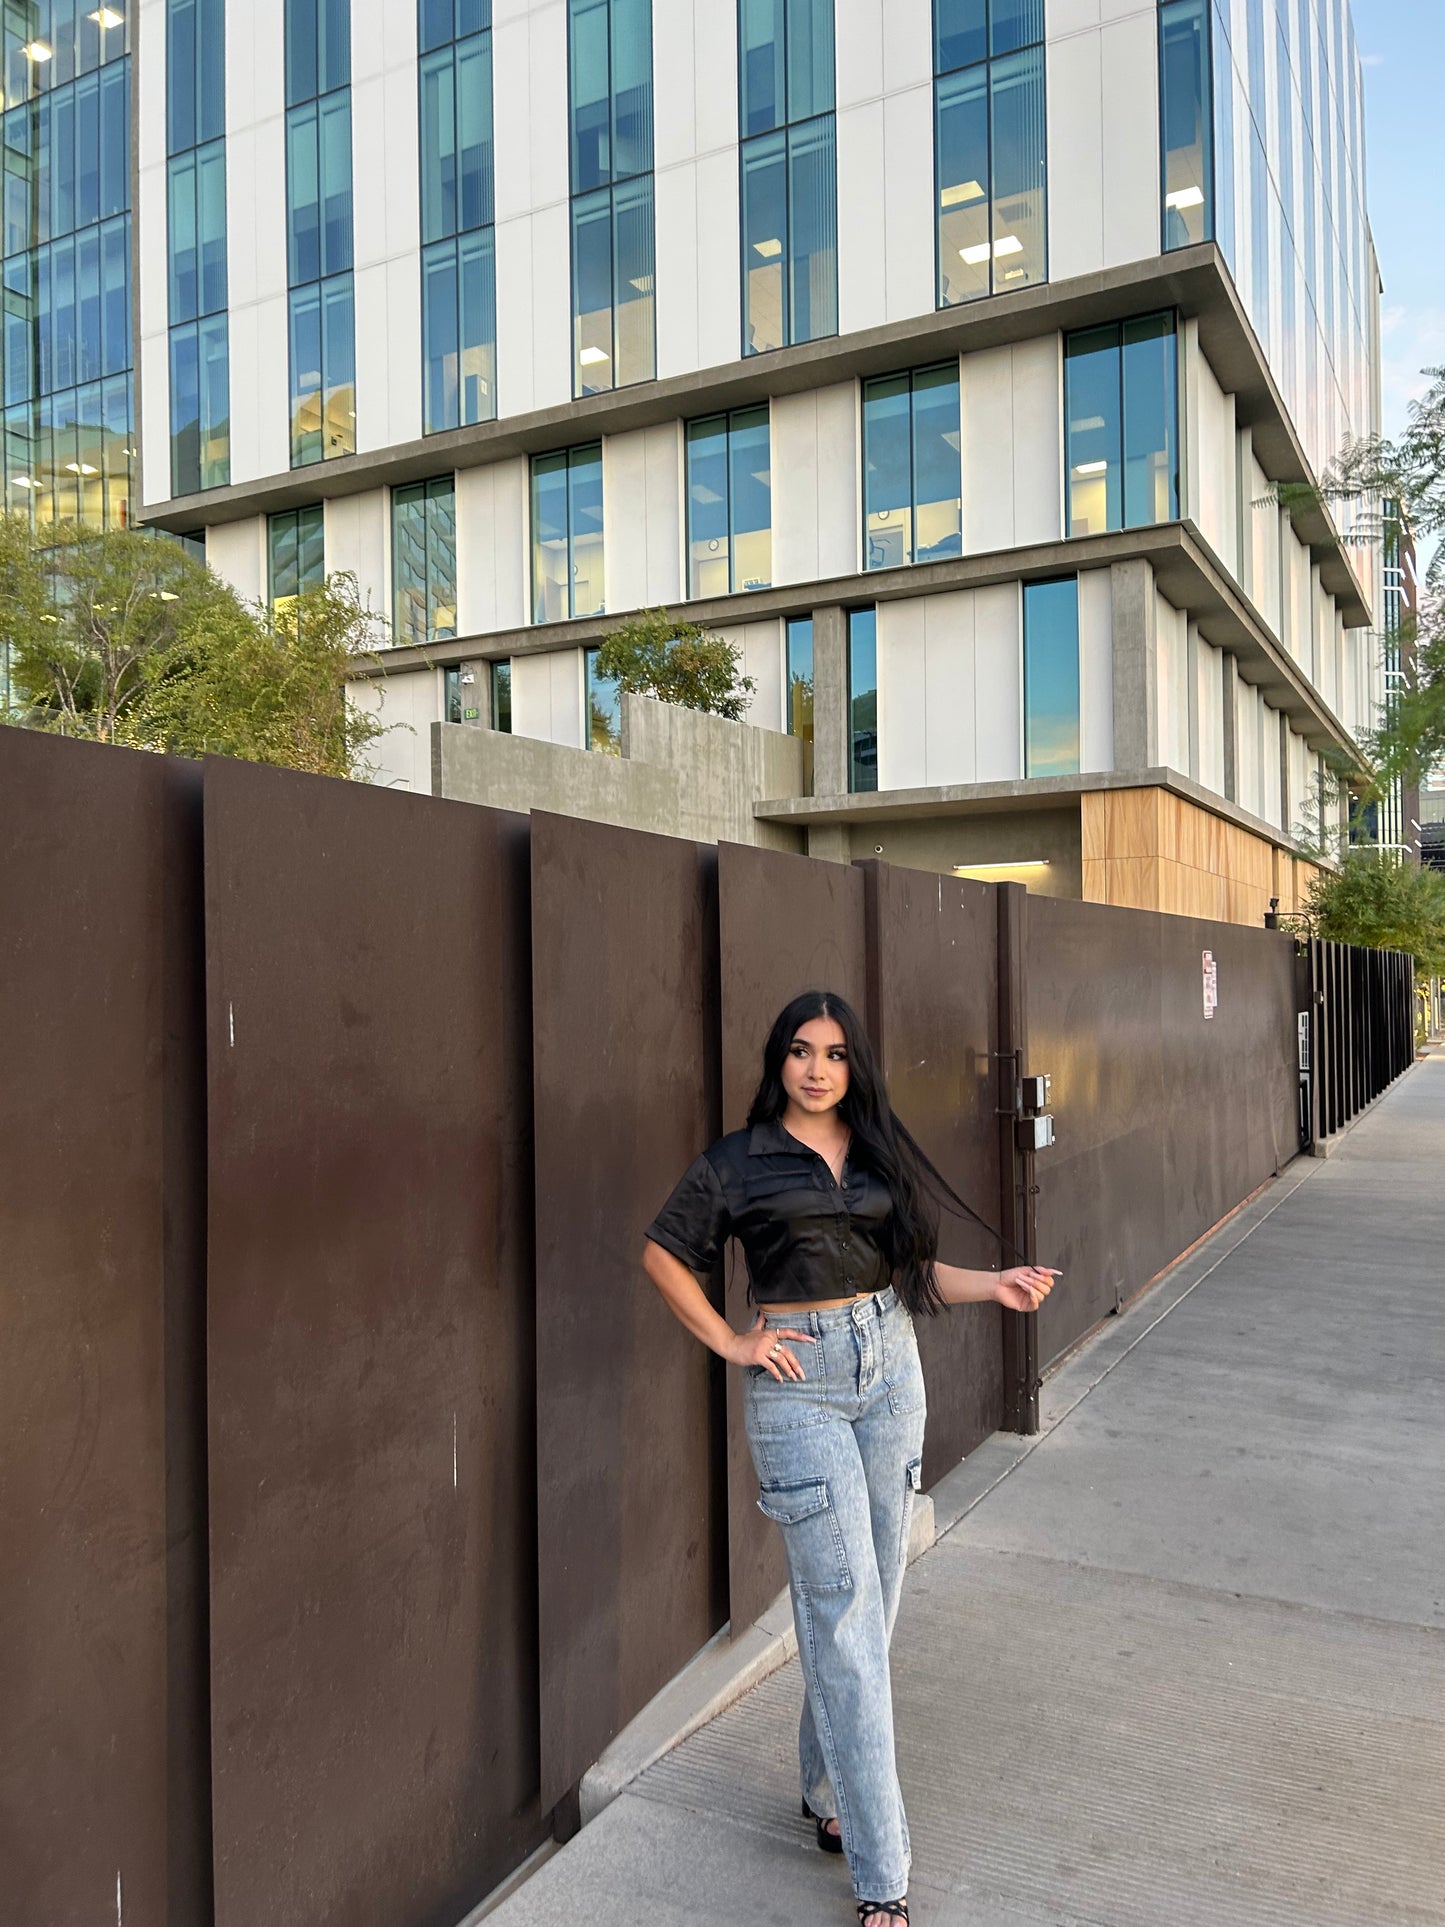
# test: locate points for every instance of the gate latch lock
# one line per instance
(1035, 1133)
(1034, 1093)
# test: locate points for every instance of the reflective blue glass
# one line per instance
(1185, 117)
(729, 503)
(788, 172)
(296, 539)
(912, 472)
(1151, 421)
(1051, 678)
(614, 337)
(604, 710)
(862, 699)
(960, 33)
(990, 148)
(762, 65)
(424, 561)
(800, 677)
(1121, 414)
(502, 697)
(459, 332)
(567, 527)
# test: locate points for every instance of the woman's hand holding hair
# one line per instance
(763, 1346)
(1025, 1287)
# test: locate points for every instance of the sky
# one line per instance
(1402, 47)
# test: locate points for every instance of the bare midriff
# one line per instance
(804, 1305)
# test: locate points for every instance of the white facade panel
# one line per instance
(902, 694)
(1297, 592)
(815, 484)
(1130, 125)
(386, 187)
(858, 38)
(908, 237)
(1247, 749)
(719, 270)
(1171, 643)
(256, 239)
(492, 563)
(862, 216)
(762, 648)
(358, 542)
(642, 475)
(950, 702)
(1096, 670)
(534, 288)
(1272, 810)
(548, 697)
(998, 682)
(1211, 460)
(408, 704)
(237, 553)
(1209, 713)
(695, 185)
(1074, 88)
(1263, 513)
(1009, 413)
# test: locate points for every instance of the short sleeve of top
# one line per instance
(694, 1223)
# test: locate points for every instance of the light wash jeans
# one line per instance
(838, 1457)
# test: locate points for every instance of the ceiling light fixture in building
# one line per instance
(80, 468)
(1023, 863)
(590, 357)
(26, 481)
(964, 191)
(769, 250)
(1185, 197)
(37, 51)
(1007, 244)
(107, 17)
(1091, 468)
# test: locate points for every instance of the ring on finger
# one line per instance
(774, 1353)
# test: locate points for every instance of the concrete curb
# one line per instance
(722, 1672)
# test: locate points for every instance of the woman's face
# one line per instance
(815, 1070)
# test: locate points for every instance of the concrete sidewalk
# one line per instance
(1179, 1660)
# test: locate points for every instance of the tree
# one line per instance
(1401, 484)
(124, 637)
(1384, 905)
(678, 662)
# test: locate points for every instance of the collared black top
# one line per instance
(804, 1235)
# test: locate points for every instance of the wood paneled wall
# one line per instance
(1148, 849)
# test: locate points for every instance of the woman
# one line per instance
(834, 1206)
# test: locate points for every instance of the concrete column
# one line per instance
(1136, 666)
(830, 702)
(1191, 674)
(1286, 801)
(1244, 511)
(1231, 727)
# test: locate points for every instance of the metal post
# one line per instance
(1016, 1177)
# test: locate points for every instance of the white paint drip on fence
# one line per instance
(231, 1021)
(119, 1906)
(454, 1451)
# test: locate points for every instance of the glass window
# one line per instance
(318, 48)
(1184, 122)
(459, 300)
(989, 145)
(323, 381)
(912, 477)
(800, 677)
(200, 406)
(1122, 421)
(424, 561)
(297, 552)
(862, 699)
(196, 233)
(319, 230)
(788, 168)
(729, 503)
(614, 333)
(567, 572)
(1051, 678)
(502, 697)
(459, 330)
(604, 710)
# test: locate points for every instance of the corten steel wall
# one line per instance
(934, 964)
(1166, 1120)
(787, 924)
(103, 1785)
(630, 1499)
(373, 1624)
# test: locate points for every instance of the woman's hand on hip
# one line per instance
(763, 1346)
(1025, 1287)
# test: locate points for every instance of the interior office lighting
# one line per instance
(1185, 197)
(1091, 468)
(960, 195)
(37, 51)
(769, 250)
(81, 468)
(26, 481)
(107, 17)
(1023, 863)
(1005, 244)
(590, 357)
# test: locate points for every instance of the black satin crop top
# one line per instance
(805, 1236)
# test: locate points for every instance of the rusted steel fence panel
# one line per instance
(935, 968)
(1166, 1119)
(787, 924)
(631, 1508)
(373, 1624)
(104, 1794)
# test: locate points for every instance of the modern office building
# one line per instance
(955, 361)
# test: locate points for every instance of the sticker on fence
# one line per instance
(1211, 984)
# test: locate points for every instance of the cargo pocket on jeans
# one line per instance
(912, 1486)
(817, 1557)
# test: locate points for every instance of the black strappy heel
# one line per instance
(829, 1842)
(894, 1909)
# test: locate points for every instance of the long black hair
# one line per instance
(880, 1138)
